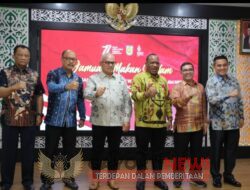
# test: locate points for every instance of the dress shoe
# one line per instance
(45, 186)
(161, 184)
(71, 184)
(232, 181)
(140, 185)
(94, 185)
(112, 185)
(217, 182)
(177, 184)
(29, 187)
(199, 183)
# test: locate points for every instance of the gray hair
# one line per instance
(105, 55)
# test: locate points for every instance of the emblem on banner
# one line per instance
(129, 50)
(119, 17)
(58, 171)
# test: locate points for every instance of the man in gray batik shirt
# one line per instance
(110, 115)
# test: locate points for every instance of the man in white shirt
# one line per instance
(110, 115)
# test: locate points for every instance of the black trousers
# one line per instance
(181, 142)
(99, 134)
(10, 136)
(156, 137)
(230, 139)
(52, 135)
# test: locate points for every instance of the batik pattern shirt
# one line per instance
(151, 112)
(19, 107)
(225, 112)
(63, 103)
(114, 107)
(190, 115)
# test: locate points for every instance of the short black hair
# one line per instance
(186, 63)
(20, 46)
(151, 54)
(220, 57)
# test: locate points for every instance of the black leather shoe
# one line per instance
(177, 184)
(217, 182)
(29, 187)
(232, 181)
(140, 185)
(112, 185)
(45, 186)
(94, 185)
(199, 183)
(161, 184)
(71, 184)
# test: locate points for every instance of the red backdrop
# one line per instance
(130, 51)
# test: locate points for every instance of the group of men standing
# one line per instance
(22, 90)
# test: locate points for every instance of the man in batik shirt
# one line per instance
(226, 115)
(153, 115)
(65, 97)
(110, 116)
(188, 97)
(21, 90)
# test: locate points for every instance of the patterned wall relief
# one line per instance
(77, 17)
(14, 29)
(243, 75)
(222, 40)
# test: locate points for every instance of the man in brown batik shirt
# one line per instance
(21, 90)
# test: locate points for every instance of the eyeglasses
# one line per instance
(109, 62)
(70, 59)
(187, 70)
